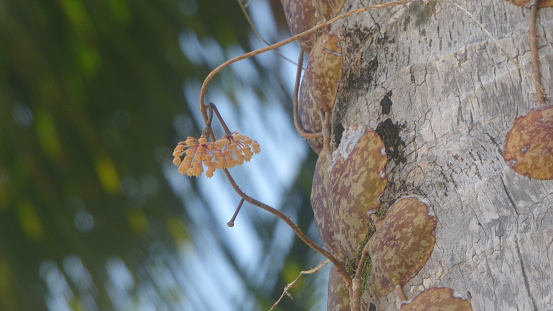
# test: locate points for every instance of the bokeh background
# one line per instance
(94, 95)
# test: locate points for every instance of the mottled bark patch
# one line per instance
(345, 190)
(300, 15)
(338, 295)
(320, 85)
(327, 9)
(303, 15)
(324, 70)
(401, 245)
(529, 145)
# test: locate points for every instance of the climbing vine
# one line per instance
(348, 184)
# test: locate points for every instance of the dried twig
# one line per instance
(534, 50)
(285, 292)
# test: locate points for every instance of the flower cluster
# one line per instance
(193, 154)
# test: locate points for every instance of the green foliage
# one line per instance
(86, 90)
(88, 94)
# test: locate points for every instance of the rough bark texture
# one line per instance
(442, 96)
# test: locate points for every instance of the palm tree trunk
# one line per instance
(442, 97)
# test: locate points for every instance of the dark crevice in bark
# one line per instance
(386, 103)
(510, 197)
(395, 146)
(525, 277)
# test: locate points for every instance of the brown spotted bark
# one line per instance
(442, 97)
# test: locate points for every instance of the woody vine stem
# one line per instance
(207, 119)
(203, 90)
(207, 113)
(213, 109)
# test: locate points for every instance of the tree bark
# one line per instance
(442, 97)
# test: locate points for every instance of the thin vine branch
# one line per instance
(213, 108)
(209, 113)
(257, 34)
(534, 50)
(297, 122)
(231, 222)
(538, 85)
(339, 267)
(356, 282)
(284, 42)
(285, 292)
